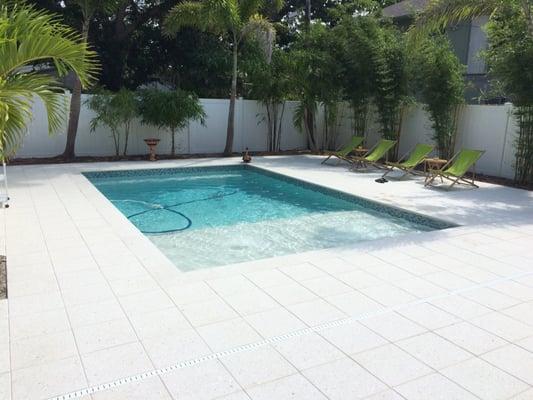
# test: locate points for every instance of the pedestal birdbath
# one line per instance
(152, 143)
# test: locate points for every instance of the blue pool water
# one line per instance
(205, 217)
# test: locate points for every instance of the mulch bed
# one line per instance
(502, 181)
(3, 278)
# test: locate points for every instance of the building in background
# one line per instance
(468, 40)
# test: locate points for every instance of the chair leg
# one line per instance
(389, 170)
(430, 180)
(453, 183)
(469, 182)
(405, 173)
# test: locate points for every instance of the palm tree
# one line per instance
(30, 38)
(235, 18)
(441, 13)
(88, 9)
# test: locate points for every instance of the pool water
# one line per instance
(212, 216)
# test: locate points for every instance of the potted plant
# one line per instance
(171, 110)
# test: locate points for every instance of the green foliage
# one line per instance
(171, 110)
(126, 105)
(510, 56)
(270, 82)
(317, 77)
(441, 13)
(29, 37)
(390, 80)
(438, 78)
(358, 47)
(133, 51)
(116, 111)
(236, 19)
(510, 61)
(101, 103)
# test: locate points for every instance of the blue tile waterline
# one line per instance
(207, 216)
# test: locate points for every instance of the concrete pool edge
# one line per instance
(379, 207)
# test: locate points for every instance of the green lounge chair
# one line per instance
(456, 169)
(416, 157)
(374, 155)
(342, 154)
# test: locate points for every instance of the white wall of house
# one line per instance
(490, 128)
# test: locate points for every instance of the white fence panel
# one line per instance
(250, 131)
(489, 128)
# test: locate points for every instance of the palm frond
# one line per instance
(31, 36)
(185, 14)
(263, 31)
(250, 7)
(90, 7)
(17, 96)
(440, 13)
(277, 4)
(207, 15)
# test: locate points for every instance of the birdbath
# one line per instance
(152, 143)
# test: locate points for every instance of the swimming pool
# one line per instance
(211, 216)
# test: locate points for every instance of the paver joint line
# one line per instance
(275, 339)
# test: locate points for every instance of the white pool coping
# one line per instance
(81, 274)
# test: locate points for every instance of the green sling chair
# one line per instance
(456, 169)
(408, 164)
(343, 152)
(374, 155)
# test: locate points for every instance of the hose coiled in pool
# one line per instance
(156, 207)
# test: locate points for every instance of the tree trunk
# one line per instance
(278, 138)
(529, 17)
(116, 141)
(126, 136)
(75, 107)
(270, 133)
(308, 13)
(309, 121)
(228, 150)
(173, 148)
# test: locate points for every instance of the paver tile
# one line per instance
(203, 381)
(294, 387)
(228, 334)
(433, 350)
(471, 337)
(513, 360)
(256, 367)
(434, 387)
(484, 380)
(114, 363)
(308, 350)
(393, 326)
(50, 379)
(391, 364)
(353, 338)
(344, 379)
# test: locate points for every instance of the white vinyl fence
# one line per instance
(490, 128)
(250, 132)
(483, 127)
